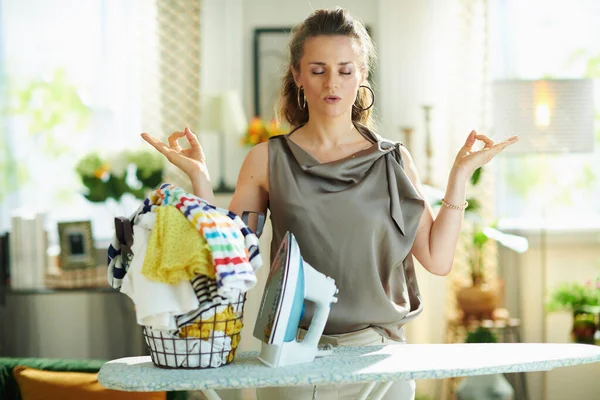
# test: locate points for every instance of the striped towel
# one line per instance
(208, 297)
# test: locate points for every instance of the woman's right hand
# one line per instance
(191, 160)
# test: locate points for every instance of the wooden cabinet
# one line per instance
(80, 324)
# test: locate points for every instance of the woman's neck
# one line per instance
(331, 132)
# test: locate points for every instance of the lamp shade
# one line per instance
(550, 116)
(222, 113)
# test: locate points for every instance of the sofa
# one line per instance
(9, 389)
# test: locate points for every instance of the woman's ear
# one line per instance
(363, 76)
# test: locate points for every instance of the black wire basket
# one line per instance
(210, 340)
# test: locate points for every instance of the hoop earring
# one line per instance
(372, 96)
(302, 104)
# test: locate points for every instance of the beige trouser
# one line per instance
(400, 390)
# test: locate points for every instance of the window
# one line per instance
(88, 76)
(548, 39)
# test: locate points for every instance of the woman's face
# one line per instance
(330, 73)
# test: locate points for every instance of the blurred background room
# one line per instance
(80, 80)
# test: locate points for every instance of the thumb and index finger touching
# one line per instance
(172, 140)
(488, 142)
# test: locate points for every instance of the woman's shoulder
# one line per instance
(259, 151)
(400, 152)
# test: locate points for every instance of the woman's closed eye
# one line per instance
(322, 72)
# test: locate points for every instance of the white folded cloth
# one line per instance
(156, 303)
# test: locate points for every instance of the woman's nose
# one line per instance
(331, 82)
(331, 85)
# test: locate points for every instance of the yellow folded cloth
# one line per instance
(226, 321)
(176, 250)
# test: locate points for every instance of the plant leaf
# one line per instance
(476, 176)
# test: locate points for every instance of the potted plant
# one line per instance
(583, 301)
(480, 299)
(124, 172)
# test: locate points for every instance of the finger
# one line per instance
(470, 140)
(498, 147)
(157, 144)
(513, 139)
(173, 140)
(192, 139)
(489, 143)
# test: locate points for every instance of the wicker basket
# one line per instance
(210, 341)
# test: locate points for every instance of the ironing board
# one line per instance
(376, 366)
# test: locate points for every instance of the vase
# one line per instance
(485, 387)
(479, 300)
(585, 325)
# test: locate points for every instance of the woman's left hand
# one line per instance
(467, 160)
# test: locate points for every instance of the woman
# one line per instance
(352, 199)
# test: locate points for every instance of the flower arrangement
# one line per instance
(124, 172)
(260, 131)
(575, 296)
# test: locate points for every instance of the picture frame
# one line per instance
(270, 58)
(77, 249)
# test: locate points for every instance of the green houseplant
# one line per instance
(583, 301)
(124, 172)
(479, 300)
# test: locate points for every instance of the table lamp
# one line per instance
(223, 113)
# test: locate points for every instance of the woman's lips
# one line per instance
(332, 99)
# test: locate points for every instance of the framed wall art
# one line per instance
(270, 59)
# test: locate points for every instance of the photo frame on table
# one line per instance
(76, 245)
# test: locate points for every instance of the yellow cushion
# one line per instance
(36, 384)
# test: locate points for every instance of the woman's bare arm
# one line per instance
(252, 188)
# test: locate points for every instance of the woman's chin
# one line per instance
(333, 111)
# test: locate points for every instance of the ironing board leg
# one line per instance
(364, 393)
(211, 394)
(381, 390)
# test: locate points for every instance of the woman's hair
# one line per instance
(333, 22)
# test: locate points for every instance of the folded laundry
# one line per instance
(208, 297)
(176, 250)
(171, 351)
(233, 245)
(156, 303)
(224, 321)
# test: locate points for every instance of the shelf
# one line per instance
(61, 291)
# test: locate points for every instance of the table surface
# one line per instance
(353, 364)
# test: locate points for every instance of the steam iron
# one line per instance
(291, 281)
